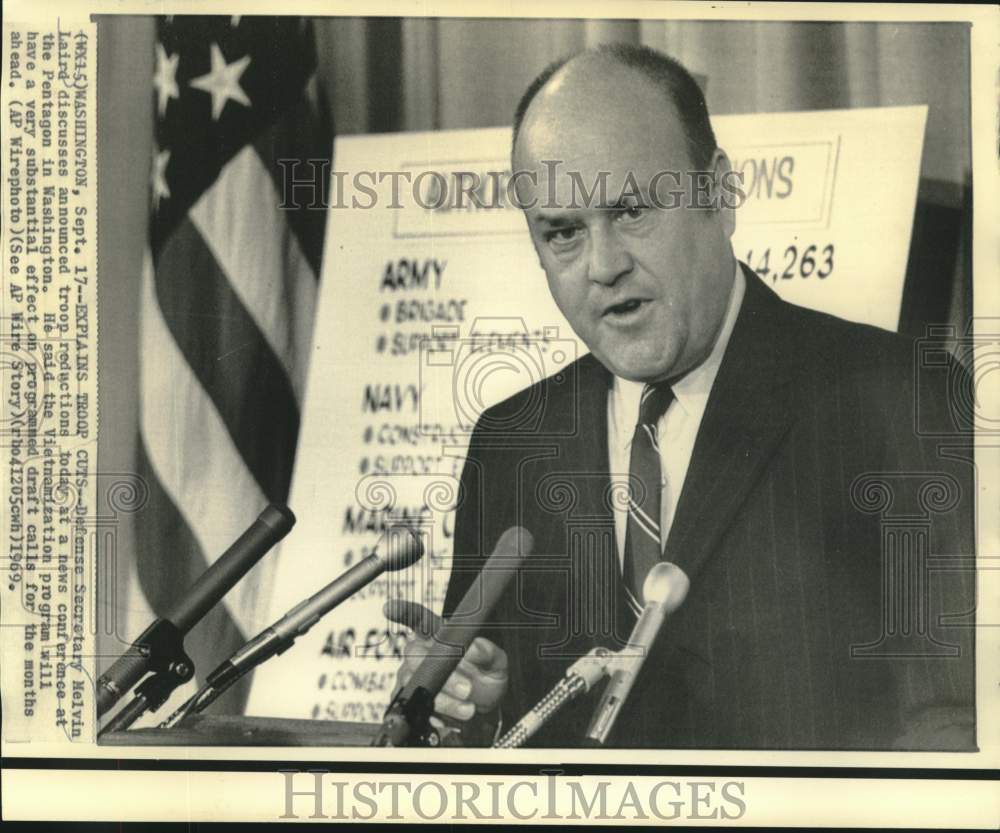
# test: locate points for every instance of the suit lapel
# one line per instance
(747, 415)
(588, 455)
(586, 529)
(576, 438)
(595, 558)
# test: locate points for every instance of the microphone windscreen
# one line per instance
(278, 517)
(515, 541)
(514, 544)
(458, 631)
(666, 584)
(402, 548)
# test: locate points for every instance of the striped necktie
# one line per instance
(643, 546)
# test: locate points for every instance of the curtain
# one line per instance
(455, 73)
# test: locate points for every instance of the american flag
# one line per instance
(229, 285)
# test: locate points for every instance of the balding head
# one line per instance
(596, 116)
(675, 83)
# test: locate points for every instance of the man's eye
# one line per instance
(631, 212)
(563, 236)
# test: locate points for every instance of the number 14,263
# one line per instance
(809, 262)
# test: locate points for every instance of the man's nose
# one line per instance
(609, 259)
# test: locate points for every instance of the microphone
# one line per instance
(580, 677)
(664, 590)
(407, 719)
(273, 524)
(403, 549)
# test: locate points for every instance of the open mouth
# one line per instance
(625, 307)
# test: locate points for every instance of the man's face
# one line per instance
(645, 288)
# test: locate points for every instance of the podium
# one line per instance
(236, 730)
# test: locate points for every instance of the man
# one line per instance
(716, 427)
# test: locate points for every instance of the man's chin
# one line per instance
(639, 370)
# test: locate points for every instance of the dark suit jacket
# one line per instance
(822, 523)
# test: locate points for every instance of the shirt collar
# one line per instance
(691, 390)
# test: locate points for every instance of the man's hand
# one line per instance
(474, 687)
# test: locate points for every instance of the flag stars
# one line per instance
(165, 79)
(223, 81)
(158, 177)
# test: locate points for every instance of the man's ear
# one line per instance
(727, 190)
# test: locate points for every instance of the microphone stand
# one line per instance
(162, 647)
(580, 677)
(398, 553)
(664, 590)
(196, 703)
(224, 677)
(406, 721)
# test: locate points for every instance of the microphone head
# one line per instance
(666, 584)
(515, 541)
(278, 517)
(402, 549)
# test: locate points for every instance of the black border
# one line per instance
(512, 769)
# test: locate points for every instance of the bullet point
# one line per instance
(364, 465)
(385, 312)
(380, 344)
(368, 434)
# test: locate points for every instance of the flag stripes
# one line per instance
(230, 358)
(269, 273)
(302, 134)
(229, 291)
(197, 465)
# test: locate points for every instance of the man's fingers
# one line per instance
(485, 657)
(458, 686)
(423, 622)
(450, 707)
(474, 686)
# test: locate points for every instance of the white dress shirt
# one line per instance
(677, 428)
